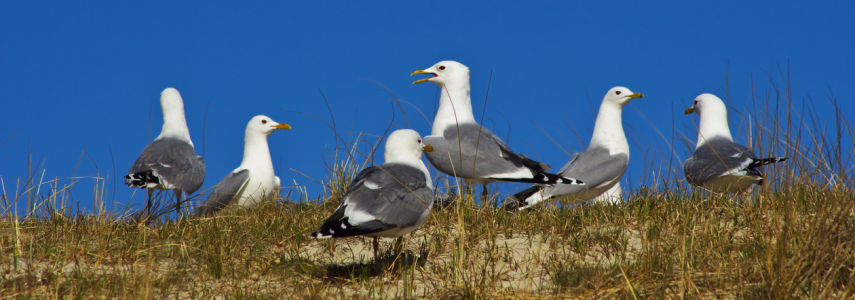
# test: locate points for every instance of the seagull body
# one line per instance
(612, 196)
(467, 150)
(718, 164)
(254, 179)
(170, 161)
(601, 166)
(389, 200)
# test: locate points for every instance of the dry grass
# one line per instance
(793, 238)
(794, 242)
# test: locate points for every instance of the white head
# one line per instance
(405, 145)
(713, 115)
(171, 103)
(174, 124)
(445, 73)
(262, 126)
(709, 104)
(608, 128)
(620, 96)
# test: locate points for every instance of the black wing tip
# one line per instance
(548, 178)
(141, 179)
(338, 229)
(766, 161)
(543, 178)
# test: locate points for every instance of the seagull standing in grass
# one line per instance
(252, 181)
(389, 200)
(170, 161)
(467, 150)
(718, 164)
(601, 166)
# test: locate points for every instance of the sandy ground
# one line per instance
(514, 264)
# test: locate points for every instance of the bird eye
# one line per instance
(420, 141)
(263, 121)
(696, 102)
(617, 93)
(442, 67)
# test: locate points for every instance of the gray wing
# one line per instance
(717, 157)
(594, 167)
(401, 198)
(168, 162)
(394, 195)
(477, 153)
(224, 193)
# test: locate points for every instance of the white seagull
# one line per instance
(170, 161)
(718, 164)
(389, 200)
(252, 181)
(601, 166)
(467, 150)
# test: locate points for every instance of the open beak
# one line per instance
(427, 148)
(424, 79)
(636, 95)
(283, 126)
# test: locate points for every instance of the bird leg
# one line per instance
(376, 247)
(177, 203)
(146, 212)
(484, 194)
(399, 245)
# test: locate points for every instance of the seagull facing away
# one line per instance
(467, 150)
(389, 200)
(601, 166)
(253, 180)
(718, 164)
(170, 161)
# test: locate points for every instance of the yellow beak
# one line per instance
(421, 72)
(689, 110)
(283, 126)
(427, 148)
(636, 95)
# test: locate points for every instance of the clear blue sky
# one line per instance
(77, 76)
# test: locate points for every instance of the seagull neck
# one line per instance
(713, 124)
(455, 107)
(256, 153)
(608, 129)
(175, 126)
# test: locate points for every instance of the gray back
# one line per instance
(402, 197)
(175, 160)
(716, 157)
(463, 153)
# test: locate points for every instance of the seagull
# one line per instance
(719, 165)
(170, 161)
(601, 166)
(253, 180)
(612, 196)
(467, 150)
(389, 200)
